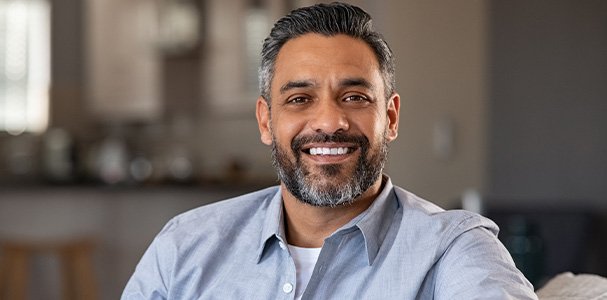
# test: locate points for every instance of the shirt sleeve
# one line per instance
(149, 281)
(477, 266)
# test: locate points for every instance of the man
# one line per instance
(335, 228)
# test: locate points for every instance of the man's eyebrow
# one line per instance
(347, 82)
(357, 81)
(296, 84)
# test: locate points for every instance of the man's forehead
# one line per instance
(304, 59)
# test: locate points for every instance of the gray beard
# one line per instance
(318, 190)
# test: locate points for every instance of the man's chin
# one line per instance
(331, 170)
(324, 182)
(341, 171)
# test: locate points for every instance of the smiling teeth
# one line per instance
(328, 151)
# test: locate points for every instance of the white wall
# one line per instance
(548, 103)
(441, 52)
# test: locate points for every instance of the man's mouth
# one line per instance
(323, 148)
(329, 150)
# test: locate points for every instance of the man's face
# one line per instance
(329, 122)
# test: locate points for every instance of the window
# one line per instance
(24, 65)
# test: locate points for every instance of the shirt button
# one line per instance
(282, 245)
(287, 288)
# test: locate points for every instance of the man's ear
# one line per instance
(393, 110)
(262, 112)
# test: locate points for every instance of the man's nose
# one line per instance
(329, 117)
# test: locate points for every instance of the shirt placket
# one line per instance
(328, 254)
(288, 281)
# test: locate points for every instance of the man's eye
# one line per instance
(298, 100)
(355, 98)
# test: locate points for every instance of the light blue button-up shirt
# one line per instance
(401, 247)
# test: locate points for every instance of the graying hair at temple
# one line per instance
(328, 20)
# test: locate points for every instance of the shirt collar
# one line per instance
(272, 223)
(374, 222)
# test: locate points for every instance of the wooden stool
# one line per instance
(77, 274)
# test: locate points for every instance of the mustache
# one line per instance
(339, 137)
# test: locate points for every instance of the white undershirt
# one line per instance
(305, 259)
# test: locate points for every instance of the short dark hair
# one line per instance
(328, 20)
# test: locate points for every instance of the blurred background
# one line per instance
(117, 115)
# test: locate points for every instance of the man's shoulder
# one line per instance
(457, 248)
(431, 218)
(229, 212)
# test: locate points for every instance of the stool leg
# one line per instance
(83, 266)
(3, 272)
(16, 271)
(79, 279)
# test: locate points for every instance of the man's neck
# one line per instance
(308, 226)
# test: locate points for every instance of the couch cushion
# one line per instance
(574, 287)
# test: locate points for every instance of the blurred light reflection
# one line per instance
(24, 65)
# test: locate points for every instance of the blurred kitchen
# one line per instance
(117, 115)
